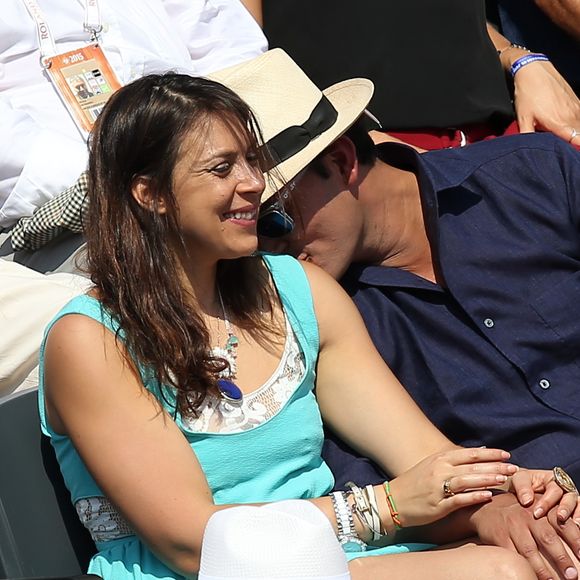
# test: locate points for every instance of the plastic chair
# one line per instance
(40, 533)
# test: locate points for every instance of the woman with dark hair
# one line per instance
(183, 382)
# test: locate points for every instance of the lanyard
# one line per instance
(92, 23)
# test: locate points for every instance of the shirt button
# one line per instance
(489, 323)
(544, 384)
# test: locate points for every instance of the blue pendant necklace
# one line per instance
(225, 382)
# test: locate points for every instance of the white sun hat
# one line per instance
(297, 119)
(290, 540)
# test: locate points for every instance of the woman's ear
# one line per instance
(142, 191)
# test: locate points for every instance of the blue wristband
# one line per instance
(524, 60)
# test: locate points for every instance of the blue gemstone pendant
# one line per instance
(230, 391)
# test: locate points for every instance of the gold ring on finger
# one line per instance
(564, 480)
(447, 492)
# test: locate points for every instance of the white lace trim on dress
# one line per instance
(102, 520)
(218, 415)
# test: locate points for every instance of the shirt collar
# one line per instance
(385, 276)
(439, 169)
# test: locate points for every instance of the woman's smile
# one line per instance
(245, 216)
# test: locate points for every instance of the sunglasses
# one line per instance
(274, 221)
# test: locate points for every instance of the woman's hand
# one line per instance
(528, 482)
(447, 481)
(543, 100)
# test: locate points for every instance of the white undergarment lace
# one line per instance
(101, 518)
(218, 415)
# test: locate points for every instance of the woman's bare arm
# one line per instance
(133, 449)
(359, 396)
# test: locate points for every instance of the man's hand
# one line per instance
(503, 522)
(527, 482)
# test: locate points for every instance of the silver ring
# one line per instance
(447, 492)
(573, 135)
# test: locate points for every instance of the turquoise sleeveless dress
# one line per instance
(276, 460)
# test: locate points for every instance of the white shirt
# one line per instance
(29, 300)
(41, 150)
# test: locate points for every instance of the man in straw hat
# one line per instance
(464, 263)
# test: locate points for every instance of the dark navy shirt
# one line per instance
(493, 358)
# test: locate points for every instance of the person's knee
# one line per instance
(510, 566)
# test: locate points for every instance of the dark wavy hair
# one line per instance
(130, 256)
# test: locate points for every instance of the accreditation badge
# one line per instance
(84, 80)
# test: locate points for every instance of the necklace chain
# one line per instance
(230, 350)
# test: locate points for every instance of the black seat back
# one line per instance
(40, 533)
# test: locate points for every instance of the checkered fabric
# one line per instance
(63, 212)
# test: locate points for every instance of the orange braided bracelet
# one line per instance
(392, 506)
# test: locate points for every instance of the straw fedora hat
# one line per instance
(297, 119)
(289, 540)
